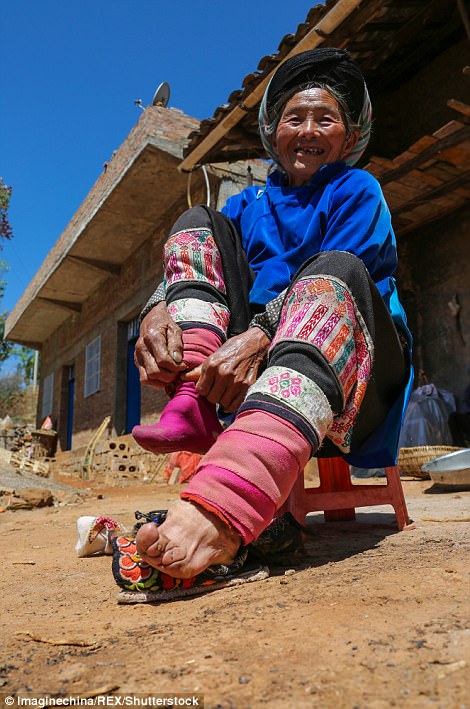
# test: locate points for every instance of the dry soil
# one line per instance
(366, 617)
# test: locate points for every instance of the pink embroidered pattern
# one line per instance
(192, 255)
(296, 392)
(285, 384)
(320, 311)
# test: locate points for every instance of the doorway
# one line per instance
(133, 395)
(70, 405)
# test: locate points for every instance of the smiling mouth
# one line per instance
(309, 151)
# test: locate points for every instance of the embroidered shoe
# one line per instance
(142, 583)
(93, 535)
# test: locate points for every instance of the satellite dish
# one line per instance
(162, 95)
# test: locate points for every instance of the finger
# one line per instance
(158, 378)
(175, 344)
(155, 351)
(191, 376)
(217, 391)
(144, 358)
(206, 380)
(231, 406)
(160, 371)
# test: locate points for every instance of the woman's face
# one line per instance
(310, 134)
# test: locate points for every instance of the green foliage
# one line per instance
(5, 347)
(23, 355)
(17, 401)
(25, 358)
(6, 231)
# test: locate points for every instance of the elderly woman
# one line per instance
(283, 310)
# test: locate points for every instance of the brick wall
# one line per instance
(117, 300)
(434, 267)
(419, 106)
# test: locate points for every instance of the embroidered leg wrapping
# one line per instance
(250, 470)
(196, 301)
(320, 360)
(317, 374)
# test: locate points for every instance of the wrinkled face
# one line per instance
(310, 134)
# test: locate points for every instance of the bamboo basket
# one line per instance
(410, 460)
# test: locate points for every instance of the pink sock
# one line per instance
(249, 472)
(188, 422)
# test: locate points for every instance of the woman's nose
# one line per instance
(309, 127)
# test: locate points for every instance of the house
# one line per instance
(415, 55)
(81, 308)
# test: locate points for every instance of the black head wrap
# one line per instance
(329, 66)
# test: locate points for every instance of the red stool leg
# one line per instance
(397, 498)
(335, 477)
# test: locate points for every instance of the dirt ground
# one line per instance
(367, 618)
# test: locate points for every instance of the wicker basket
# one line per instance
(410, 460)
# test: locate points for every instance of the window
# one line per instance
(133, 329)
(92, 366)
(48, 395)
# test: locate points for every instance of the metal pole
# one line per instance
(35, 369)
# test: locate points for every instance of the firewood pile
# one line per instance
(117, 462)
(16, 437)
(18, 448)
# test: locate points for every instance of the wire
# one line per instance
(188, 190)
(208, 187)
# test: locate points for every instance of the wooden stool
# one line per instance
(337, 497)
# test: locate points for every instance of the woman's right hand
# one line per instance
(159, 350)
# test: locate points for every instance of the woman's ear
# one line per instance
(350, 143)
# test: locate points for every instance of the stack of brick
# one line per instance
(117, 462)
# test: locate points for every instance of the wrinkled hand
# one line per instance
(159, 350)
(225, 376)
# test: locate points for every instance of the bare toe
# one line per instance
(188, 541)
(150, 542)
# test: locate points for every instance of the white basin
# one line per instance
(451, 469)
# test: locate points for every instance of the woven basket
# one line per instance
(410, 460)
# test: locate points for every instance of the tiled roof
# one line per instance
(388, 38)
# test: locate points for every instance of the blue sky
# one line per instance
(71, 71)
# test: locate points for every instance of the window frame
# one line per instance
(47, 396)
(92, 380)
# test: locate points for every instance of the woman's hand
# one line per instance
(224, 377)
(159, 350)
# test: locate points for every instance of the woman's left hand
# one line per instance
(225, 376)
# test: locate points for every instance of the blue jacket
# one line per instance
(341, 208)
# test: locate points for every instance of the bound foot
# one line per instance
(188, 541)
(188, 423)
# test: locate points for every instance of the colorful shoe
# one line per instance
(157, 516)
(141, 583)
(93, 535)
